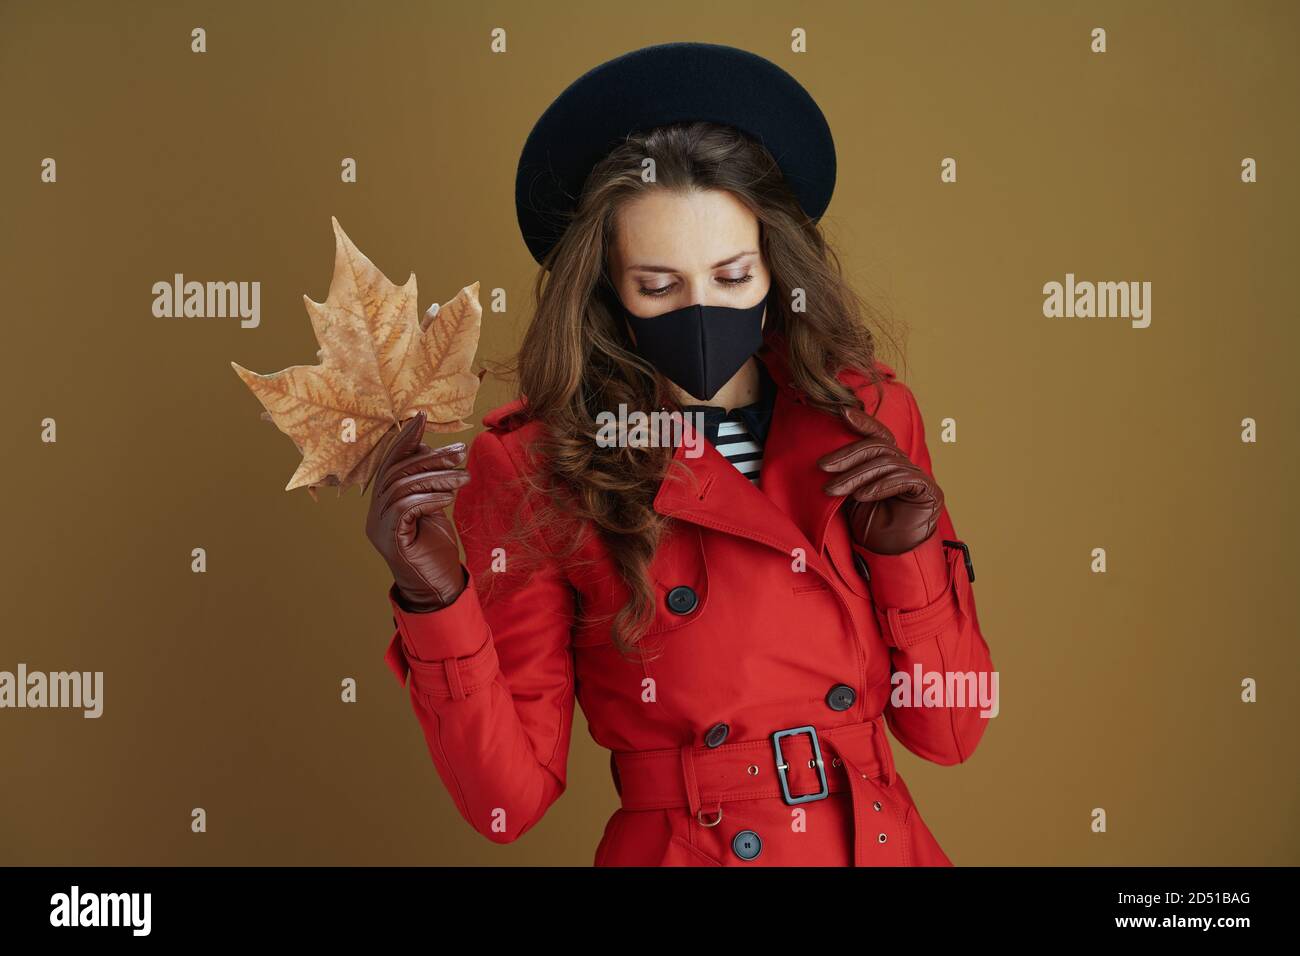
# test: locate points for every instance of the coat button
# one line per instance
(841, 697)
(716, 735)
(746, 844)
(682, 600)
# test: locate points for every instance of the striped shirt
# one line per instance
(739, 434)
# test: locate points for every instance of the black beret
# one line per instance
(654, 86)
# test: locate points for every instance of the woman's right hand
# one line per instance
(407, 523)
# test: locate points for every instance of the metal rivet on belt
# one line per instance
(753, 770)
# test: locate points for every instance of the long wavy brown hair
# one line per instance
(576, 358)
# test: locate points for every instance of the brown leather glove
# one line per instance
(407, 524)
(895, 505)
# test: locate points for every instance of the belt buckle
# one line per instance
(782, 766)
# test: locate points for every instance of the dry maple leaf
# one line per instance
(380, 364)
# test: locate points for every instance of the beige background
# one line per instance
(222, 690)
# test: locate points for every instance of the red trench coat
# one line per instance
(755, 644)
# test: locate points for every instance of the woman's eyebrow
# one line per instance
(716, 265)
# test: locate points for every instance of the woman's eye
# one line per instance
(664, 290)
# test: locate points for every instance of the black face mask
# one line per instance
(699, 347)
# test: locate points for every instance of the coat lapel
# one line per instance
(709, 491)
(789, 510)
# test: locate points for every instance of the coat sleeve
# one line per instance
(491, 674)
(925, 606)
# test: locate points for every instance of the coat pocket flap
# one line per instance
(682, 853)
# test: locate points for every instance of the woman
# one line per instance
(728, 607)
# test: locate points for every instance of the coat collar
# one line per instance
(788, 508)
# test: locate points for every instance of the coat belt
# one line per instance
(856, 758)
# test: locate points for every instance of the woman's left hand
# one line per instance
(895, 505)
